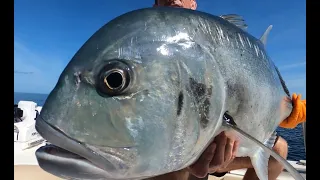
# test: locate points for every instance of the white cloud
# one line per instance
(45, 69)
(294, 75)
(296, 82)
(290, 66)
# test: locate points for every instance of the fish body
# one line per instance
(146, 94)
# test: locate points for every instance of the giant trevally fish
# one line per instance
(148, 92)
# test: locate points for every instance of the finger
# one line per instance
(235, 148)
(218, 158)
(229, 156)
(201, 166)
(229, 149)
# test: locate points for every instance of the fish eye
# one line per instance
(114, 78)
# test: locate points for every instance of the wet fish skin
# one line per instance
(187, 69)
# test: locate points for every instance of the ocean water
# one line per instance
(294, 137)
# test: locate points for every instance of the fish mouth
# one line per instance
(67, 158)
(65, 164)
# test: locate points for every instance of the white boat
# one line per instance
(27, 141)
(25, 135)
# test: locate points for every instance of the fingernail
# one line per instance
(223, 133)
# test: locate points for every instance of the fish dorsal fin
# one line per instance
(236, 20)
(260, 158)
(265, 35)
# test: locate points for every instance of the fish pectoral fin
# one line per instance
(260, 163)
(265, 35)
(259, 158)
(236, 20)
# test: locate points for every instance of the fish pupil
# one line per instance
(114, 80)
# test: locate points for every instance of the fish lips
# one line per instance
(61, 162)
(65, 164)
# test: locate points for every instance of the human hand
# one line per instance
(217, 156)
(298, 114)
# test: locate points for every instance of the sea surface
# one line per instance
(294, 136)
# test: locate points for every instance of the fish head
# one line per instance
(122, 108)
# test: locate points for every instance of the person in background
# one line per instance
(219, 157)
(187, 4)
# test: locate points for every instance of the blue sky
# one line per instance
(48, 33)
